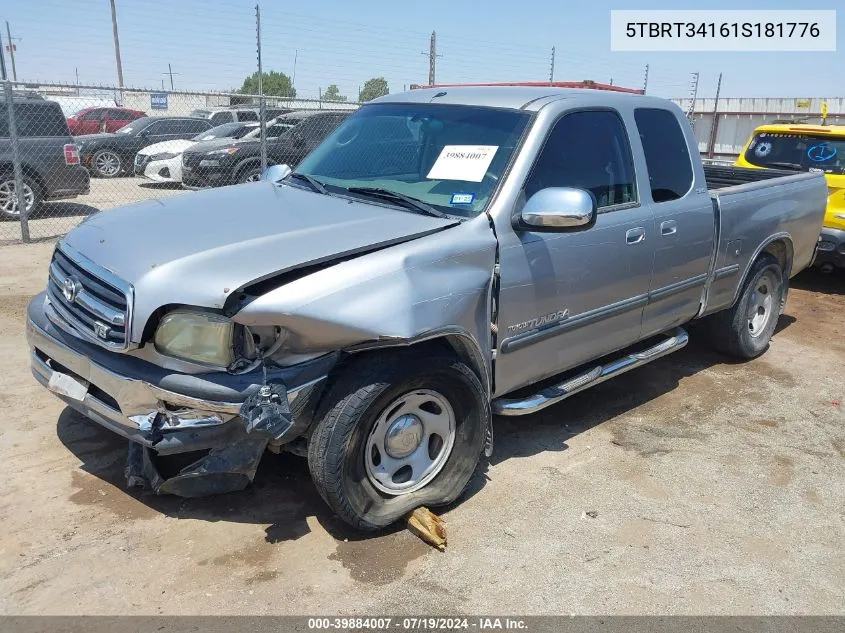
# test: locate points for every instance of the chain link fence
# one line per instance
(74, 150)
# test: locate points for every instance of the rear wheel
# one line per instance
(398, 431)
(744, 330)
(10, 202)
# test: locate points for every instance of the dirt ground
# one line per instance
(715, 488)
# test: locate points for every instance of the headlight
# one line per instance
(200, 337)
(223, 152)
(163, 156)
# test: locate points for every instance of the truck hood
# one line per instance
(198, 248)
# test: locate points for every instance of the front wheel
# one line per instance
(106, 163)
(398, 431)
(744, 330)
(249, 174)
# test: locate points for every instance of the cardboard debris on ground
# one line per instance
(428, 526)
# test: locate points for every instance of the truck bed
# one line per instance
(720, 176)
(754, 207)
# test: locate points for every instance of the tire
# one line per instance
(106, 163)
(361, 409)
(744, 331)
(250, 173)
(9, 206)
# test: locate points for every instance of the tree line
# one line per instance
(278, 84)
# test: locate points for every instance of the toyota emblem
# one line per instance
(70, 289)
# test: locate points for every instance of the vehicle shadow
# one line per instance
(62, 209)
(283, 496)
(160, 185)
(813, 280)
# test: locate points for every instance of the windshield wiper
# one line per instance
(786, 165)
(408, 201)
(316, 185)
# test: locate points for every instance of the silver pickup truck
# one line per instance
(443, 256)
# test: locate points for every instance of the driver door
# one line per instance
(570, 295)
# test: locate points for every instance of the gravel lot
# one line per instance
(716, 487)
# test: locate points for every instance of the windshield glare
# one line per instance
(133, 127)
(802, 152)
(450, 157)
(221, 131)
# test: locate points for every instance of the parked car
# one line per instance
(240, 161)
(218, 116)
(162, 162)
(441, 256)
(110, 155)
(99, 120)
(803, 147)
(48, 155)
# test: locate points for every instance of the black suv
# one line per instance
(110, 155)
(48, 155)
(215, 164)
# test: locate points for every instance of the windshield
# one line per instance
(274, 130)
(801, 152)
(447, 156)
(202, 114)
(134, 127)
(221, 131)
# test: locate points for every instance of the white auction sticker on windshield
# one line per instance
(463, 162)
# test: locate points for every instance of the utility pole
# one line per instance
(714, 124)
(645, 79)
(262, 111)
(2, 60)
(432, 58)
(552, 69)
(693, 93)
(170, 72)
(293, 79)
(116, 46)
(11, 51)
(76, 70)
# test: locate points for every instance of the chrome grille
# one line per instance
(91, 300)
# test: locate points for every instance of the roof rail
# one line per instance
(552, 84)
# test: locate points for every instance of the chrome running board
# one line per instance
(677, 339)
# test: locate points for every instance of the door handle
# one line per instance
(669, 227)
(635, 236)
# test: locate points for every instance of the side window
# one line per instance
(666, 153)
(159, 127)
(587, 150)
(120, 115)
(219, 118)
(195, 126)
(94, 115)
(247, 115)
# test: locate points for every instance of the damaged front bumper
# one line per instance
(226, 419)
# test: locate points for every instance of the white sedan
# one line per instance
(162, 162)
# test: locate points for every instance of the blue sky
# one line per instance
(211, 45)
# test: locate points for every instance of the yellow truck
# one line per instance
(803, 147)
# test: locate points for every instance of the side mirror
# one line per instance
(558, 208)
(275, 173)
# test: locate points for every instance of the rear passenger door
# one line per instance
(570, 296)
(683, 217)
